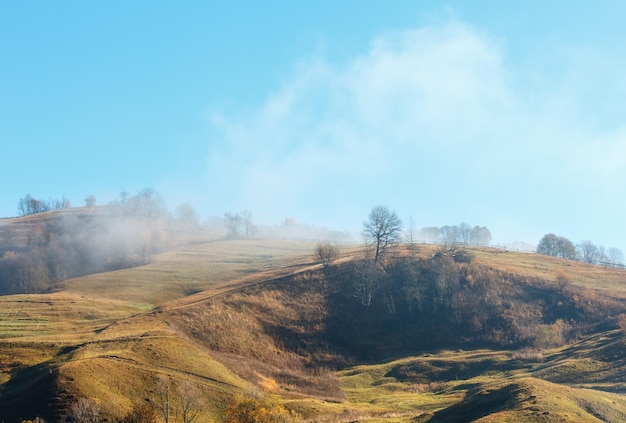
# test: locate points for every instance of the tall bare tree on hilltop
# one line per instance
(382, 229)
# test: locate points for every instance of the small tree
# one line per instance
(556, 246)
(382, 229)
(247, 224)
(265, 409)
(367, 276)
(450, 234)
(615, 257)
(233, 224)
(410, 236)
(459, 253)
(82, 411)
(161, 399)
(621, 322)
(189, 402)
(465, 232)
(589, 252)
(60, 204)
(90, 201)
(480, 235)
(29, 205)
(140, 413)
(326, 252)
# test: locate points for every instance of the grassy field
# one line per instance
(105, 336)
(191, 269)
(603, 278)
(570, 384)
(204, 319)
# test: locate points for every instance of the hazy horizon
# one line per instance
(505, 116)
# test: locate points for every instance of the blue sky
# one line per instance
(510, 116)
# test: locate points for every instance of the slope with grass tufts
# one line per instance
(219, 318)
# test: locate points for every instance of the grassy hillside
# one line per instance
(214, 318)
(97, 336)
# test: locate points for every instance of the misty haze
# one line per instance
(312, 212)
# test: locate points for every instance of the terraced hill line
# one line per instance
(239, 284)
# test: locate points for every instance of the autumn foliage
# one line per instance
(258, 409)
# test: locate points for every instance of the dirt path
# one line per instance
(241, 283)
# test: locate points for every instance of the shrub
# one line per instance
(140, 413)
(82, 411)
(326, 253)
(528, 354)
(621, 322)
(563, 279)
(255, 409)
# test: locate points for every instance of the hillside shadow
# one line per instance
(480, 403)
(31, 388)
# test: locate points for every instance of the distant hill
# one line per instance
(40, 250)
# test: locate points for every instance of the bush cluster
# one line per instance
(415, 303)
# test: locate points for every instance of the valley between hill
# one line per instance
(507, 337)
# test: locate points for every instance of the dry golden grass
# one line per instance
(216, 314)
(609, 279)
(101, 340)
(246, 330)
(59, 317)
(210, 266)
(530, 400)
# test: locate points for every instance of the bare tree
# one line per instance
(60, 204)
(615, 256)
(149, 203)
(239, 224)
(161, 399)
(90, 201)
(140, 413)
(464, 233)
(189, 402)
(449, 234)
(29, 205)
(382, 229)
(410, 236)
(326, 252)
(589, 252)
(246, 222)
(233, 224)
(366, 281)
(82, 411)
(184, 403)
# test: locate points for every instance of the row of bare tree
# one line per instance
(586, 251)
(29, 205)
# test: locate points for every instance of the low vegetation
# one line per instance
(251, 330)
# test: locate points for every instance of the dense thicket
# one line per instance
(416, 303)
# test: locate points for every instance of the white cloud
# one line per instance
(430, 118)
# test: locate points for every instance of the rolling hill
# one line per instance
(507, 337)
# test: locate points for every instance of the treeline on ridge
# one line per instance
(419, 303)
(585, 251)
(125, 233)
